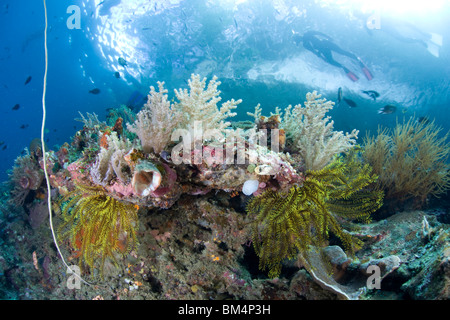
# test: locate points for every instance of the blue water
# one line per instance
(248, 45)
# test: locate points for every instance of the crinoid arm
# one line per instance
(300, 220)
(97, 226)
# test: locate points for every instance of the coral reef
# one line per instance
(284, 194)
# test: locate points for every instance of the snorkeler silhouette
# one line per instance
(321, 45)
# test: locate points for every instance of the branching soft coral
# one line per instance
(200, 104)
(292, 223)
(156, 121)
(411, 160)
(312, 133)
(110, 161)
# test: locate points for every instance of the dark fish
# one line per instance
(2, 143)
(424, 120)
(95, 91)
(146, 28)
(339, 97)
(136, 100)
(350, 103)
(371, 93)
(387, 109)
(122, 62)
(24, 126)
(16, 107)
(4, 147)
(117, 75)
(28, 80)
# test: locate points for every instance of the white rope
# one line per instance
(44, 155)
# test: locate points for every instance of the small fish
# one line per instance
(350, 103)
(117, 74)
(387, 109)
(122, 62)
(95, 91)
(24, 126)
(146, 28)
(16, 107)
(2, 143)
(4, 147)
(371, 93)
(28, 80)
(424, 120)
(339, 97)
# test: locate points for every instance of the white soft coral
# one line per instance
(156, 121)
(200, 104)
(312, 132)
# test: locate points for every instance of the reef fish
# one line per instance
(350, 103)
(28, 80)
(423, 120)
(95, 91)
(16, 107)
(122, 62)
(339, 97)
(371, 93)
(117, 74)
(387, 109)
(136, 100)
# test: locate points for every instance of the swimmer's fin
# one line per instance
(352, 76)
(434, 43)
(436, 39)
(367, 73)
(433, 49)
(366, 70)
